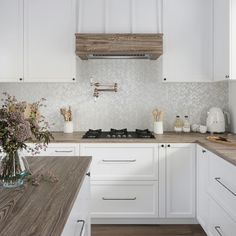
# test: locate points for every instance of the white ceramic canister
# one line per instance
(68, 127)
(158, 127)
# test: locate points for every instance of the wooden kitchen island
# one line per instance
(44, 210)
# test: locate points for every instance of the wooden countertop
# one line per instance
(226, 152)
(43, 210)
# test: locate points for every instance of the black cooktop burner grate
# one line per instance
(118, 134)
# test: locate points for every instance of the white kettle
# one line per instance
(216, 120)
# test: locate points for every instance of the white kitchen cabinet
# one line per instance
(220, 223)
(119, 16)
(187, 39)
(124, 199)
(202, 187)
(224, 40)
(57, 149)
(222, 186)
(180, 180)
(11, 40)
(124, 179)
(122, 161)
(78, 222)
(49, 43)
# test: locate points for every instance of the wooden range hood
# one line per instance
(119, 46)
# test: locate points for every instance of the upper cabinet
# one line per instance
(187, 29)
(224, 40)
(11, 40)
(49, 45)
(119, 16)
(37, 40)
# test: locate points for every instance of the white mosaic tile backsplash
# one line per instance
(140, 90)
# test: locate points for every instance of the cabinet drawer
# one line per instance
(222, 185)
(220, 223)
(57, 149)
(124, 199)
(122, 162)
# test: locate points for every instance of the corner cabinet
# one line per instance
(224, 40)
(187, 37)
(11, 40)
(180, 179)
(37, 41)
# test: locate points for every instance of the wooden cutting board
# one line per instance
(221, 140)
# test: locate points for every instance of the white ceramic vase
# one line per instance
(68, 127)
(158, 127)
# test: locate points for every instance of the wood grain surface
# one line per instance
(115, 44)
(147, 230)
(43, 210)
(226, 152)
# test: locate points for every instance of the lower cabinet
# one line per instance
(78, 222)
(124, 179)
(216, 194)
(220, 223)
(122, 199)
(57, 149)
(202, 187)
(180, 179)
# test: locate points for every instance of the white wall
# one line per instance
(232, 105)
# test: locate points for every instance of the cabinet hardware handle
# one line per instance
(227, 76)
(162, 145)
(218, 180)
(119, 199)
(203, 151)
(63, 151)
(164, 79)
(88, 174)
(119, 160)
(82, 228)
(20, 79)
(73, 79)
(218, 230)
(168, 145)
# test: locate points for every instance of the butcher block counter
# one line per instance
(43, 210)
(224, 151)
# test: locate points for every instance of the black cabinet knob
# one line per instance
(73, 79)
(162, 145)
(168, 145)
(20, 79)
(164, 79)
(203, 151)
(88, 174)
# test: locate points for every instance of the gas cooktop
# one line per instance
(118, 134)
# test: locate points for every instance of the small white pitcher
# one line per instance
(68, 127)
(158, 127)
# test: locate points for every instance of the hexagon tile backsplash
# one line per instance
(140, 90)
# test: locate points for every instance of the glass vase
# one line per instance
(13, 169)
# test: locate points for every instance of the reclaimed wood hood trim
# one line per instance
(125, 46)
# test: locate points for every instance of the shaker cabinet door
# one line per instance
(49, 28)
(180, 180)
(187, 29)
(11, 40)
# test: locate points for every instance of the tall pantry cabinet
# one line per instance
(37, 40)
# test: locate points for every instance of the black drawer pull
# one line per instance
(82, 228)
(119, 199)
(222, 184)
